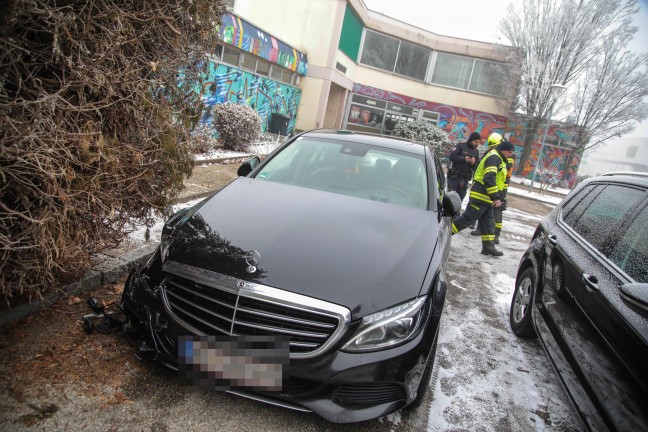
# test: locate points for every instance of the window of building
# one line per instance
(263, 67)
(489, 77)
(379, 51)
(453, 71)
(470, 74)
(412, 61)
(431, 117)
(216, 55)
(231, 56)
(249, 62)
(632, 152)
(275, 72)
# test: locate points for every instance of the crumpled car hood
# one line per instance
(358, 253)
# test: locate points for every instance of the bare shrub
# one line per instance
(96, 102)
(238, 125)
(424, 132)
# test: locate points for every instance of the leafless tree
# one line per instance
(610, 97)
(554, 42)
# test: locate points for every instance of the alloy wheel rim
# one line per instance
(522, 298)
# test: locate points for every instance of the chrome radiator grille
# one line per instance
(214, 304)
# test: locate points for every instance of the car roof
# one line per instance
(628, 177)
(377, 140)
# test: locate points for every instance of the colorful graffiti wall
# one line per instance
(457, 122)
(229, 84)
(242, 34)
(553, 160)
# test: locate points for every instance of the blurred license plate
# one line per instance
(233, 362)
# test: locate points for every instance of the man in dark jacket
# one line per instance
(464, 158)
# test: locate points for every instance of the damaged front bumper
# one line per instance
(340, 386)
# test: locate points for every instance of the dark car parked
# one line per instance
(336, 243)
(582, 288)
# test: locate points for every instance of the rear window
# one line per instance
(598, 211)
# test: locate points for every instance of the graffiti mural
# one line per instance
(229, 84)
(457, 122)
(240, 33)
(552, 159)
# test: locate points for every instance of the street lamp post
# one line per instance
(556, 91)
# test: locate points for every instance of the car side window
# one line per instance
(603, 212)
(630, 254)
(577, 205)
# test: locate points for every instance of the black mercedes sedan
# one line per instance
(582, 288)
(314, 281)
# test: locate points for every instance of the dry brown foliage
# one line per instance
(94, 125)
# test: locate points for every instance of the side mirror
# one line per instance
(247, 166)
(451, 204)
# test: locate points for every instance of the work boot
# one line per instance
(475, 233)
(472, 226)
(497, 239)
(488, 248)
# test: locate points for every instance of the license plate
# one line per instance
(233, 362)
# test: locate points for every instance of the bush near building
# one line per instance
(238, 125)
(94, 126)
(424, 132)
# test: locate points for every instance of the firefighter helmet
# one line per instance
(494, 139)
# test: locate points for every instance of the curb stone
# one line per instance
(109, 271)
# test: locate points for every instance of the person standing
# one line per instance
(498, 212)
(493, 141)
(485, 195)
(464, 158)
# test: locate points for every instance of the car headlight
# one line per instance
(388, 327)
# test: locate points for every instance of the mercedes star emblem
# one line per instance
(252, 259)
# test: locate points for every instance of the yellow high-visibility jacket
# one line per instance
(490, 178)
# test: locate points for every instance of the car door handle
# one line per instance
(591, 282)
(553, 239)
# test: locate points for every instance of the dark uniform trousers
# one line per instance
(477, 211)
(498, 214)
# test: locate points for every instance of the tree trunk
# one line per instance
(529, 138)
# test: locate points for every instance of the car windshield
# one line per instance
(353, 169)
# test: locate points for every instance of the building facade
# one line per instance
(335, 64)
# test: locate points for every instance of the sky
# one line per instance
(479, 19)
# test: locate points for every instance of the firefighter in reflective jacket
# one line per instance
(486, 194)
(493, 140)
(498, 212)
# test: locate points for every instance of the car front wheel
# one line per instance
(521, 304)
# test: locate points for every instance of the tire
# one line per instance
(521, 305)
(425, 379)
